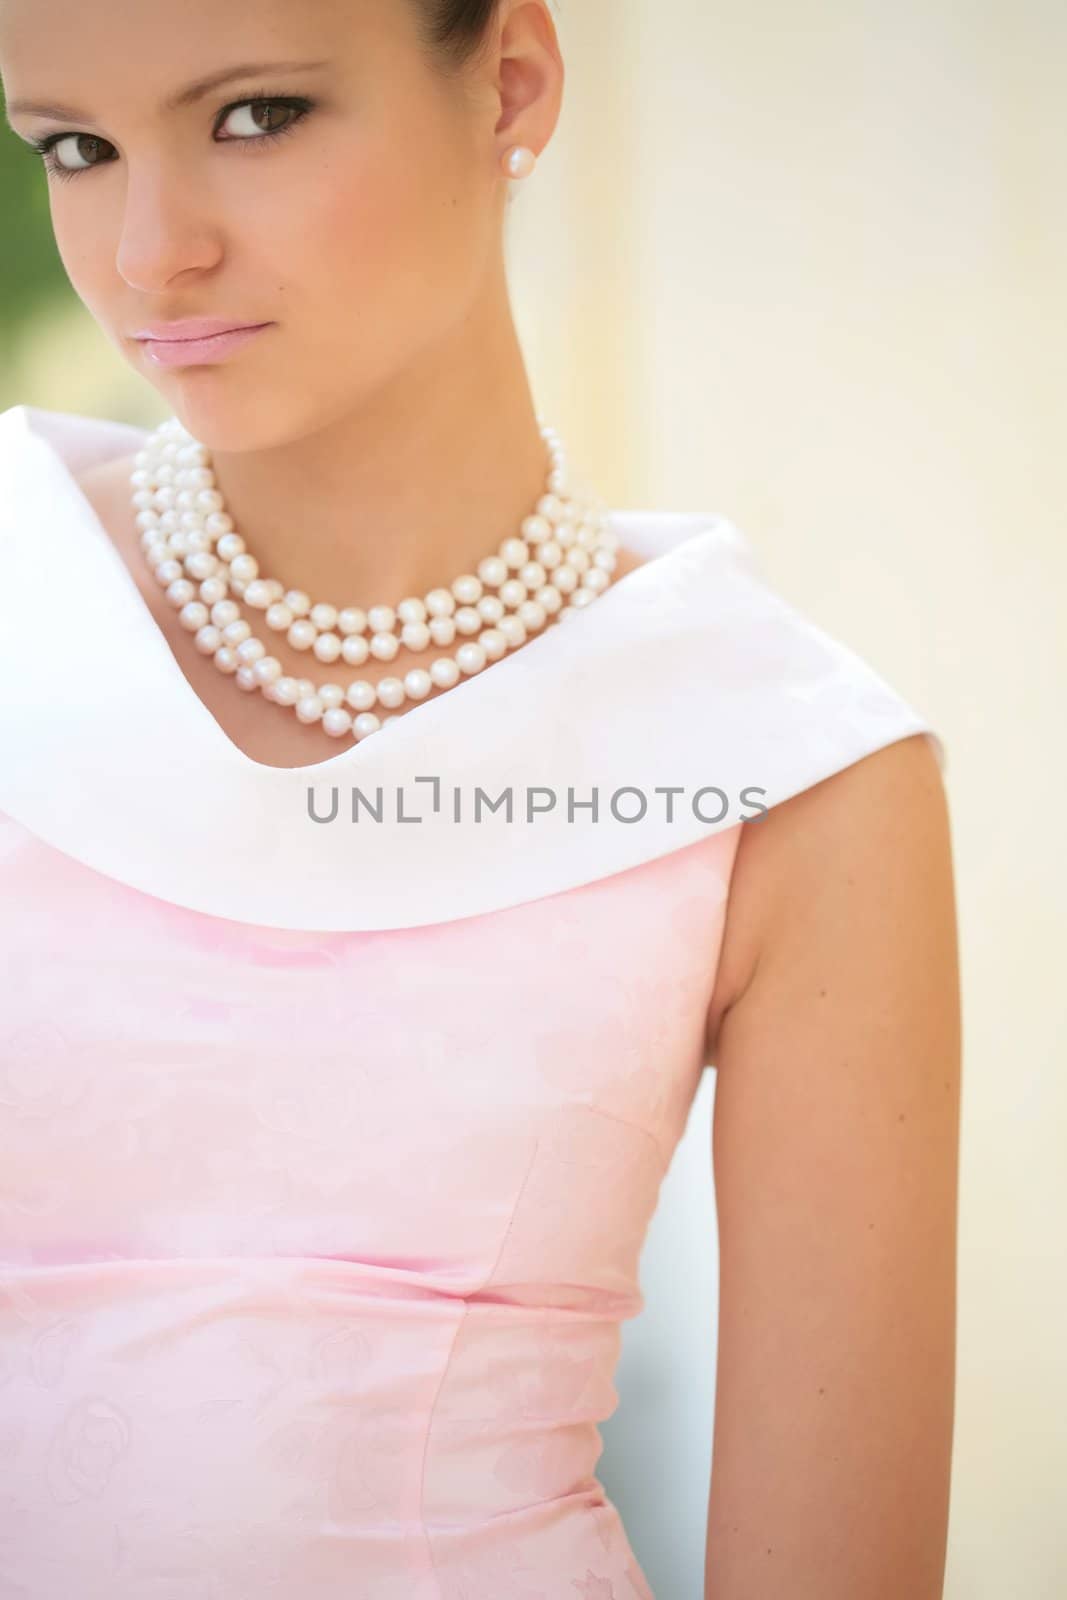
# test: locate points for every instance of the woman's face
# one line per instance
(335, 187)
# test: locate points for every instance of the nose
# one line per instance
(167, 229)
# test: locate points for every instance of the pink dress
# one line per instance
(328, 1147)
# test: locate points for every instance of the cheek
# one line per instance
(380, 235)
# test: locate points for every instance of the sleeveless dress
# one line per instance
(334, 1101)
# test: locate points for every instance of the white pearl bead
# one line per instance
(579, 559)
(440, 602)
(532, 616)
(468, 620)
(218, 524)
(324, 617)
(513, 593)
(549, 599)
(230, 546)
(225, 659)
(565, 578)
(194, 616)
(491, 608)
(337, 721)
(582, 597)
(445, 672)
(298, 602)
(279, 617)
(351, 620)
(146, 520)
(245, 568)
(225, 612)
(327, 647)
(208, 640)
(384, 646)
(417, 683)
(209, 500)
(168, 571)
(310, 708)
(471, 658)
(381, 619)
(520, 162)
(550, 506)
(606, 560)
(236, 633)
(250, 650)
(331, 695)
(533, 575)
(442, 631)
(355, 650)
(284, 691)
(415, 636)
(304, 687)
(246, 679)
(493, 571)
(366, 724)
(181, 591)
(494, 644)
(596, 579)
(258, 594)
(516, 553)
(267, 669)
(361, 695)
(411, 610)
(391, 693)
(514, 632)
(550, 555)
(302, 635)
(467, 589)
(166, 499)
(142, 500)
(202, 564)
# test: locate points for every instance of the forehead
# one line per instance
(86, 50)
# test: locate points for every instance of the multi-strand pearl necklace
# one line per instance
(560, 561)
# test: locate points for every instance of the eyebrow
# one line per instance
(183, 97)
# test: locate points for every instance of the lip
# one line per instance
(196, 341)
(192, 328)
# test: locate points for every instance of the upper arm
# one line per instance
(835, 1149)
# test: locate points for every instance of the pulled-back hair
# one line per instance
(454, 30)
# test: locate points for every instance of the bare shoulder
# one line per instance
(826, 847)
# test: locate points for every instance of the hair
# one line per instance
(453, 31)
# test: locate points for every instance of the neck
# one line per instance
(405, 492)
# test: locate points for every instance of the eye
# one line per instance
(258, 109)
(255, 109)
(76, 152)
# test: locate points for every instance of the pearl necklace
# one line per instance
(562, 559)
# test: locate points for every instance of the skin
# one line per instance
(835, 1031)
(391, 401)
(382, 433)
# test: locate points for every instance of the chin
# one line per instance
(233, 417)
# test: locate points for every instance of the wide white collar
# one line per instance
(688, 672)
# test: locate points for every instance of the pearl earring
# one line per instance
(520, 161)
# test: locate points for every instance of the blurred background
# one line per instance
(803, 263)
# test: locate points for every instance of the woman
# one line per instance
(349, 1037)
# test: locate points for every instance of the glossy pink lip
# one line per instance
(196, 341)
(192, 328)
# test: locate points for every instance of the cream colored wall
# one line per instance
(803, 263)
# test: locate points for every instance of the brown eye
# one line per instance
(77, 151)
(255, 118)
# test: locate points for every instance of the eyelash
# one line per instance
(297, 103)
